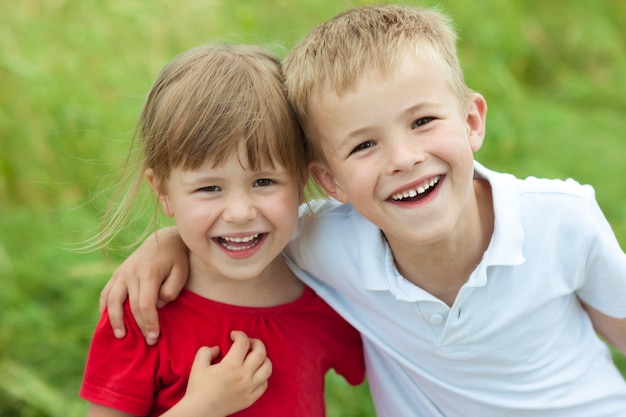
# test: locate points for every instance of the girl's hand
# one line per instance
(152, 276)
(216, 390)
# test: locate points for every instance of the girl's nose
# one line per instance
(239, 209)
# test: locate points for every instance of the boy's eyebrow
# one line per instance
(359, 132)
(407, 112)
(420, 106)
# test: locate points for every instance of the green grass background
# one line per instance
(73, 76)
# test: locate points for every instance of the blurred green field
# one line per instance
(73, 76)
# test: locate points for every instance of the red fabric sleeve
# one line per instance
(120, 372)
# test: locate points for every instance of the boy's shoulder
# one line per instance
(549, 202)
(327, 207)
(508, 183)
(334, 218)
(567, 187)
(328, 223)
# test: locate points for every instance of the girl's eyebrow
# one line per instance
(194, 178)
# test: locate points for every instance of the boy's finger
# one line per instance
(104, 295)
(114, 303)
(146, 312)
(173, 285)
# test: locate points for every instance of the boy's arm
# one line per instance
(153, 275)
(611, 328)
(218, 390)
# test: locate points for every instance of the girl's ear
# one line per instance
(160, 191)
(325, 179)
(476, 120)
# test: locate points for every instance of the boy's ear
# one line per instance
(325, 179)
(160, 191)
(476, 119)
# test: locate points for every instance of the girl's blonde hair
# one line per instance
(207, 104)
(336, 53)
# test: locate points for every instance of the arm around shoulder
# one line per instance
(152, 276)
(613, 329)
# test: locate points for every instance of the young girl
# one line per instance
(226, 159)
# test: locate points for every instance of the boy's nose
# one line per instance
(403, 153)
(239, 209)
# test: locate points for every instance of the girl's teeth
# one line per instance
(240, 239)
(239, 243)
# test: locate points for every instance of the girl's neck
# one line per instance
(276, 285)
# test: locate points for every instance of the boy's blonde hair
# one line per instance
(208, 104)
(336, 53)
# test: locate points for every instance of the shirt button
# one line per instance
(436, 318)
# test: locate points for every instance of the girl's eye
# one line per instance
(263, 182)
(209, 189)
(421, 122)
(361, 146)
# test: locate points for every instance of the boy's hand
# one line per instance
(152, 276)
(229, 386)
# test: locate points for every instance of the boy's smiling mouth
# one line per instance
(238, 243)
(418, 192)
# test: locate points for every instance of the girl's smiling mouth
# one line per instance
(239, 243)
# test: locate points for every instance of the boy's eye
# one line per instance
(361, 146)
(209, 189)
(421, 122)
(263, 182)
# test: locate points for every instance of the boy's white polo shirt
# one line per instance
(516, 341)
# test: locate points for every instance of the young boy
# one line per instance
(475, 292)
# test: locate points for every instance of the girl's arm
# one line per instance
(153, 275)
(96, 410)
(611, 328)
(218, 390)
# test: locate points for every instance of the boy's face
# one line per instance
(400, 148)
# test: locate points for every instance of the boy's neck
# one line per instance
(442, 269)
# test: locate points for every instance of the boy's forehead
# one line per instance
(411, 82)
(338, 84)
(368, 77)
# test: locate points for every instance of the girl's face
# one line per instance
(234, 220)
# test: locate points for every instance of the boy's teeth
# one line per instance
(420, 189)
(243, 239)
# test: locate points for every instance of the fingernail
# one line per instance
(118, 333)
